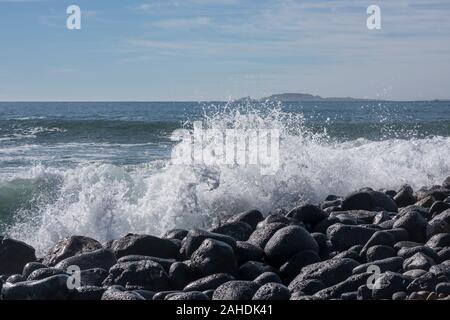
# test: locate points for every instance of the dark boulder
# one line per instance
(69, 247)
(405, 197)
(418, 261)
(349, 285)
(240, 231)
(196, 237)
(393, 264)
(145, 245)
(14, 255)
(93, 277)
(53, 288)
(44, 273)
(308, 213)
(87, 293)
(307, 287)
(102, 258)
(251, 217)
(440, 240)
(343, 236)
(436, 227)
(30, 267)
(379, 253)
(247, 252)
(114, 293)
(211, 282)
(261, 236)
(272, 291)
(252, 269)
(292, 267)
(267, 277)
(389, 283)
(165, 263)
(415, 224)
(188, 296)
(214, 257)
(288, 241)
(368, 200)
(236, 290)
(178, 234)
(145, 274)
(181, 275)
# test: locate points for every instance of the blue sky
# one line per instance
(222, 49)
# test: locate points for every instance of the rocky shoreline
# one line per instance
(367, 245)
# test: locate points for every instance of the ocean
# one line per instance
(105, 169)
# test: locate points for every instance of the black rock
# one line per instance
(15, 278)
(323, 225)
(444, 215)
(240, 231)
(292, 267)
(236, 290)
(114, 293)
(196, 237)
(368, 200)
(261, 236)
(389, 283)
(399, 234)
(406, 253)
(379, 253)
(426, 282)
(308, 213)
(30, 267)
(443, 288)
(53, 288)
(146, 274)
(267, 277)
(364, 293)
(247, 252)
(145, 245)
(306, 287)
(415, 224)
(438, 207)
(214, 257)
(93, 277)
(278, 218)
(14, 255)
(252, 217)
(165, 263)
(330, 272)
(86, 293)
(252, 269)
(379, 238)
(272, 291)
(436, 227)
(436, 192)
(418, 261)
(405, 197)
(343, 236)
(189, 296)
(288, 241)
(349, 285)
(211, 282)
(444, 254)
(181, 275)
(440, 240)
(406, 245)
(69, 247)
(393, 264)
(162, 295)
(178, 234)
(400, 296)
(442, 269)
(44, 273)
(102, 258)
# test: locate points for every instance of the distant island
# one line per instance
(301, 97)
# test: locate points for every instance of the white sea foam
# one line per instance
(105, 201)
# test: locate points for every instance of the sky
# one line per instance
(179, 50)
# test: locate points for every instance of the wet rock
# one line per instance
(330, 272)
(102, 258)
(236, 290)
(379, 253)
(444, 254)
(426, 202)
(405, 197)
(288, 241)
(443, 288)
(406, 245)
(247, 252)
(240, 231)
(368, 200)
(278, 218)
(251, 217)
(69, 247)
(267, 277)
(406, 253)
(416, 273)
(181, 275)
(214, 257)
(393, 264)
(30, 267)
(14, 255)
(436, 192)
(415, 224)
(444, 216)
(261, 236)
(15, 278)
(442, 269)
(178, 234)
(426, 282)
(189, 296)
(146, 274)
(418, 261)
(145, 245)
(252, 269)
(272, 291)
(114, 293)
(292, 267)
(399, 234)
(308, 213)
(87, 293)
(323, 225)
(44, 273)
(343, 236)
(438, 207)
(211, 282)
(379, 238)
(196, 237)
(53, 288)
(364, 293)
